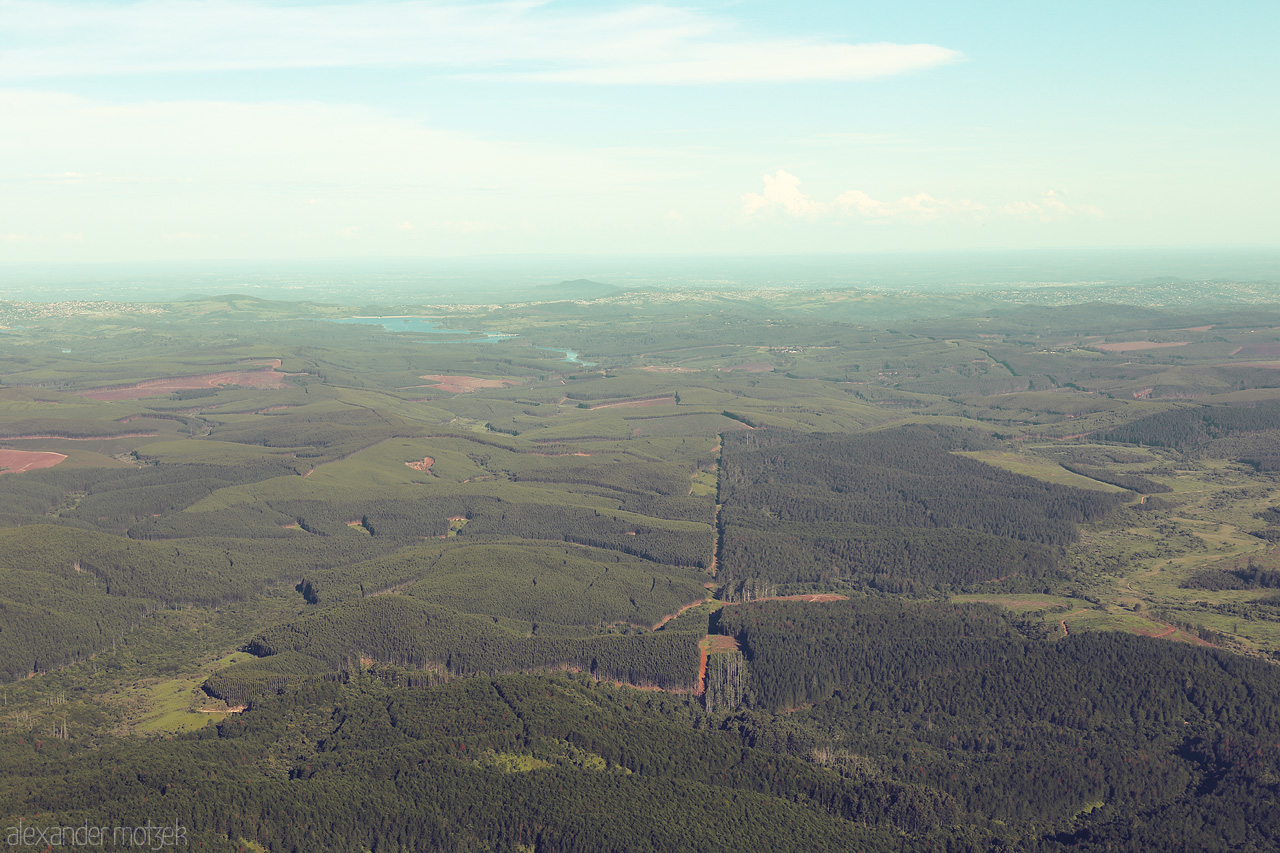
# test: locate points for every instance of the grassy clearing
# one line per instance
(704, 483)
(174, 705)
(1038, 467)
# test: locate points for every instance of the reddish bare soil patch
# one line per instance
(632, 404)
(465, 384)
(44, 436)
(424, 465)
(655, 369)
(1197, 329)
(263, 377)
(721, 643)
(17, 461)
(753, 367)
(1129, 346)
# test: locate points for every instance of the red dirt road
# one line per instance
(17, 461)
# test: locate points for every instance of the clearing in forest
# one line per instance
(17, 461)
(424, 465)
(264, 377)
(465, 384)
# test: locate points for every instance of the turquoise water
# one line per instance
(431, 326)
(426, 325)
(570, 355)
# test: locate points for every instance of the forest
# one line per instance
(792, 570)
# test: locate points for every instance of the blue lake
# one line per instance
(426, 325)
(431, 326)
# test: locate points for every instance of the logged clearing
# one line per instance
(813, 597)
(266, 377)
(712, 644)
(17, 461)
(1129, 346)
(465, 384)
(424, 465)
(721, 643)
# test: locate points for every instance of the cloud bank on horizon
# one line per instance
(782, 194)
(162, 129)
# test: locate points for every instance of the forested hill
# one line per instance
(895, 508)
(1163, 746)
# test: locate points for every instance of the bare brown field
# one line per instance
(17, 461)
(721, 643)
(266, 377)
(46, 436)
(424, 465)
(1129, 346)
(465, 384)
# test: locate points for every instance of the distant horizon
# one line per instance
(170, 130)
(497, 276)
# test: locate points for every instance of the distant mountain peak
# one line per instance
(581, 288)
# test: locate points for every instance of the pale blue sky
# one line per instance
(234, 129)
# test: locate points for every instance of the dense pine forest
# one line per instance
(805, 570)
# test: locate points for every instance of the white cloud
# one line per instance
(782, 192)
(782, 195)
(510, 40)
(1049, 207)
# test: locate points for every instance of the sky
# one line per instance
(168, 130)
